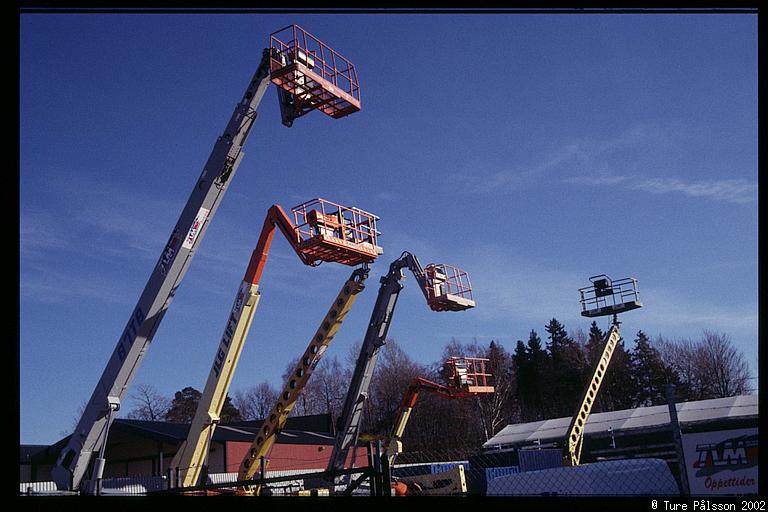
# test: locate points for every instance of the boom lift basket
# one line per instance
(448, 288)
(317, 76)
(468, 375)
(606, 297)
(331, 232)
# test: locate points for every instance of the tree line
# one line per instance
(539, 378)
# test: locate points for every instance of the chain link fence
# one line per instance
(531, 472)
(465, 471)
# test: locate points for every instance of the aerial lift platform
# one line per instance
(465, 377)
(603, 297)
(445, 288)
(321, 231)
(313, 75)
(329, 85)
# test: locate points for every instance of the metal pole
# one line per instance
(262, 472)
(379, 475)
(98, 466)
(372, 469)
(386, 475)
(676, 434)
(204, 472)
(482, 417)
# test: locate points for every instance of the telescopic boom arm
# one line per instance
(575, 430)
(297, 380)
(394, 444)
(603, 297)
(92, 428)
(191, 457)
(438, 297)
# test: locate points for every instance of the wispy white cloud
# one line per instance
(734, 190)
(669, 312)
(584, 161)
(738, 191)
(47, 285)
(38, 233)
(512, 289)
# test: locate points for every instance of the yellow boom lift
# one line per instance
(321, 231)
(604, 297)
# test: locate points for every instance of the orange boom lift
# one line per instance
(321, 231)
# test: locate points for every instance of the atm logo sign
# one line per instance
(195, 228)
(730, 454)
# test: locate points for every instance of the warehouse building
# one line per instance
(719, 441)
(137, 448)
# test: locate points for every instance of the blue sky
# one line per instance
(532, 151)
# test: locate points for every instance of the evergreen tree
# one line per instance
(620, 387)
(650, 374)
(539, 367)
(183, 405)
(558, 338)
(522, 372)
(185, 402)
(595, 344)
(229, 412)
(617, 389)
(566, 381)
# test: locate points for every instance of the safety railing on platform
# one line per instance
(317, 76)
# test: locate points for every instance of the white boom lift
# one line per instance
(330, 87)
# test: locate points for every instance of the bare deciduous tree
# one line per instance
(150, 404)
(394, 371)
(255, 402)
(75, 419)
(329, 386)
(726, 366)
(305, 404)
(711, 367)
(684, 355)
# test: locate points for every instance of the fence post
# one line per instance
(675, 427)
(379, 472)
(203, 477)
(263, 474)
(371, 469)
(386, 475)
